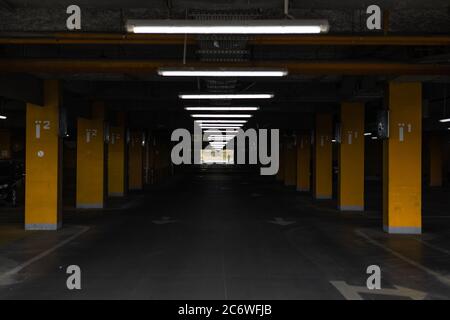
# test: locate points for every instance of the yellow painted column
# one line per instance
(351, 157)
(116, 158)
(135, 161)
(90, 163)
(322, 175)
(280, 173)
(402, 160)
(43, 162)
(436, 161)
(290, 167)
(303, 162)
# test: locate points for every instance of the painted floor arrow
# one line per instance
(280, 221)
(164, 220)
(353, 292)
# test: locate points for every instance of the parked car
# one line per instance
(11, 182)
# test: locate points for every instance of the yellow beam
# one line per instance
(43, 162)
(90, 163)
(151, 66)
(322, 176)
(116, 158)
(135, 161)
(351, 157)
(158, 39)
(303, 162)
(402, 163)
(436, 160)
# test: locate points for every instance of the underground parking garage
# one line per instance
(246, 150)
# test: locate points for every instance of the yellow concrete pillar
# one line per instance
(436, 160)
(43, 162)
(280, 174)
(135, 161)
(351, 157)
(322, 175)
(116, 158)
(290, 157)
(303, 162)
(402, 157)
(90, 163)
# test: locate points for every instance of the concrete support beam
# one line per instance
(90, 160)
(322, 176)
(304, 162)
(402, 160)
(43, 162)
(351, 157)
(280, 174)
(5, 143)
(135, 161)
(290, 167)
(436, 161)
(116, 158)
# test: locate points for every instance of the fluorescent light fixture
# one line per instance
(221, 108)
(222, 72)
(226, 96)
(333, 140)
(374, 138)
(220, 131)
(445, 120)
(368, 134)
(221, 115)
(3, 117)
(220, 121)
(228, 26)
(220, 127)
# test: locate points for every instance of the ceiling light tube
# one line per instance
(225, 96)
(221, 72)
(445, 120)
(284, 26)
(220, 131)
(368, 134)
(220, 121)
(3, 117)
(221, 115)
(221, 108)
(236, 127)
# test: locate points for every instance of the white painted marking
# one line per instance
(40, 153)
(20, 267)
(401, 137)
(409, 127)
(354, 292)
(280, 221)
(445, 280)
(350, 138)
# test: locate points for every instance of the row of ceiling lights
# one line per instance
(227, 27)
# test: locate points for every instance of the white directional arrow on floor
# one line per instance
(353, 292)
(280, 221)
(164, 220)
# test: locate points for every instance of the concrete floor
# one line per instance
(213, 236)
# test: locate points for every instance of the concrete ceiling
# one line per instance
(227, 4)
